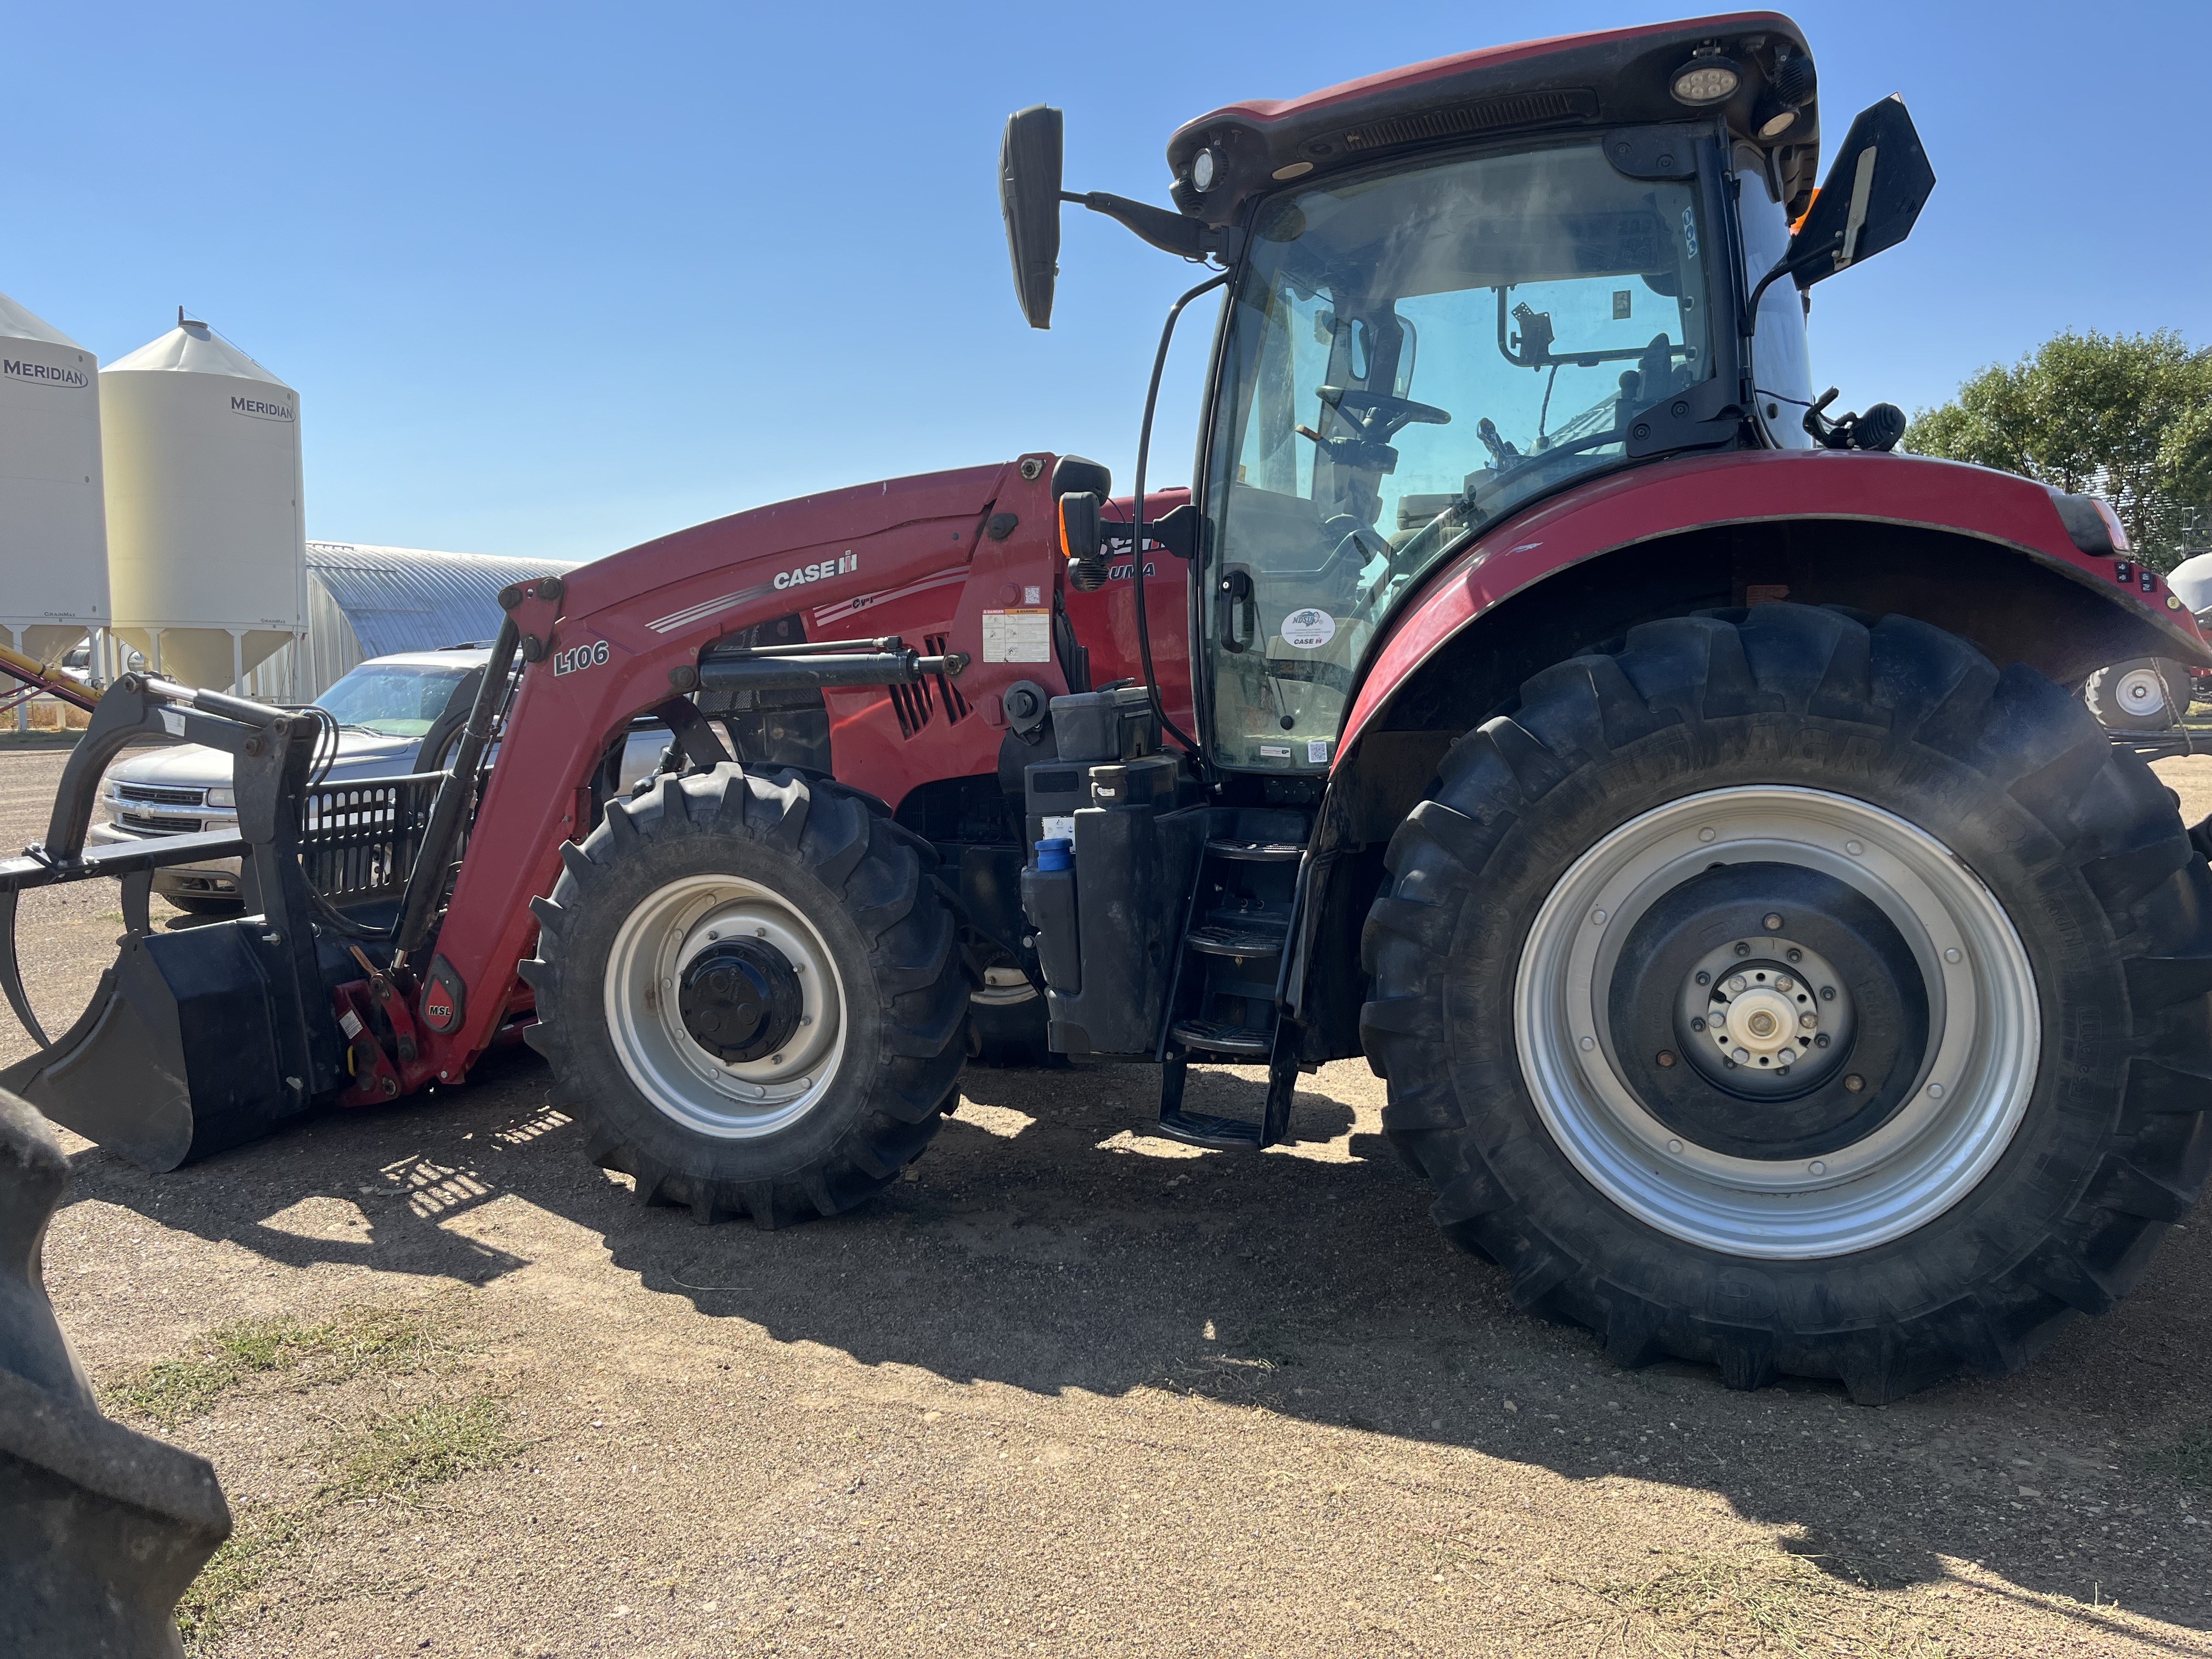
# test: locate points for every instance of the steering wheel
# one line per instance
(1383, 414)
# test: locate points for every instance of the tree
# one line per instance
(2126, 417)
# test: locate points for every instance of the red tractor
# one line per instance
(1674, 796)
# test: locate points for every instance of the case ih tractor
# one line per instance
(1682, 803)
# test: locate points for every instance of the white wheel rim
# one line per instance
(2142, 691)
(728, 1101)
(1965, 1101)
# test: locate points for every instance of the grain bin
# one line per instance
(53, 555)
(204, 526)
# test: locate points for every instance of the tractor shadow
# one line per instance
(1045, 1243)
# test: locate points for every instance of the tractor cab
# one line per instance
(1410, 354)
(1463, 288)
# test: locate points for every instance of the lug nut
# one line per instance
(1742, 949)
(1697, 1026)
(1808, 1021)
(1737, 983)
(1783, 983)
(1666, 1057)
(1855, 1082)
(1704, 978)
(1741, 1057)
(1821, 1041)
(1828, 993)
(1772, 922)
(1795, 955)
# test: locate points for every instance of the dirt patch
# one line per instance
(1070, 1390)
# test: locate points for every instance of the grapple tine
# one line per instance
(138, 901)
(11, 974)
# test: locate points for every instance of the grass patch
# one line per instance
(234, 1572)
(399, 1458)
(406, 1451)
(351, 1341)
(1764, 1601)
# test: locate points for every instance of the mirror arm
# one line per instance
(1788, 266)
(1165, 229)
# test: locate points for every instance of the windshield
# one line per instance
(1407, 356)
(393, 699)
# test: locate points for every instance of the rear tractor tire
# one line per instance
(751, 988)
(1799, 996)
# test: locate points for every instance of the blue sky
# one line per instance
(555, 279)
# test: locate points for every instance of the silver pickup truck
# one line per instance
(395, 715)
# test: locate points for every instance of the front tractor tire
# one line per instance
(751, 989)
(1799, 996)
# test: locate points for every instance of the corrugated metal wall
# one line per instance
(366, 601)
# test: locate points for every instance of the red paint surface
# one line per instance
(1106, 620)
(1736, 489)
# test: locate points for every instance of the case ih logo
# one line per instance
(257, 409)
(17, 368)
(841, 565)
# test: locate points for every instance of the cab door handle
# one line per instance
(1237, 604)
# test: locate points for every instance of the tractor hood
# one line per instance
(790, 540)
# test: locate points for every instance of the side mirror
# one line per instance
(1874, 193)
(1029, 194)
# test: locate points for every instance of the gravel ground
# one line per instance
(1068, 1389)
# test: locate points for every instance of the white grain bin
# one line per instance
(204, 528)
(53, 554)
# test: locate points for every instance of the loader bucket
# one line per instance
(199, 1039)
(177, 1055)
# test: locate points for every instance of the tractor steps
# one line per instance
(1256, 852)
(1254, 1042)
(1237, 939)
(1228, 977)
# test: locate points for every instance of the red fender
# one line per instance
(1696, 492)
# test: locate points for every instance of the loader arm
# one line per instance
(628, 633)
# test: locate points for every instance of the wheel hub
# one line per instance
(1777, 1021)
(2142, 691)
(1796, 1000)
(739, 1000)
(726, 1005)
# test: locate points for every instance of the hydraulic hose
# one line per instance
(1137, 517)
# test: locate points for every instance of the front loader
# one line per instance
(1679, 798)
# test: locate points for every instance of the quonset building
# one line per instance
(364, 601)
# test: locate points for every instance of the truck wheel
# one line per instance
(751, 987)
(2144, 694)
(1799, 996)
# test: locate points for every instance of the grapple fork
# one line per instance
(200, 1039)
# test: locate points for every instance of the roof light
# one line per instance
(1707, 78)
(1779, 122)
(1203, 168)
